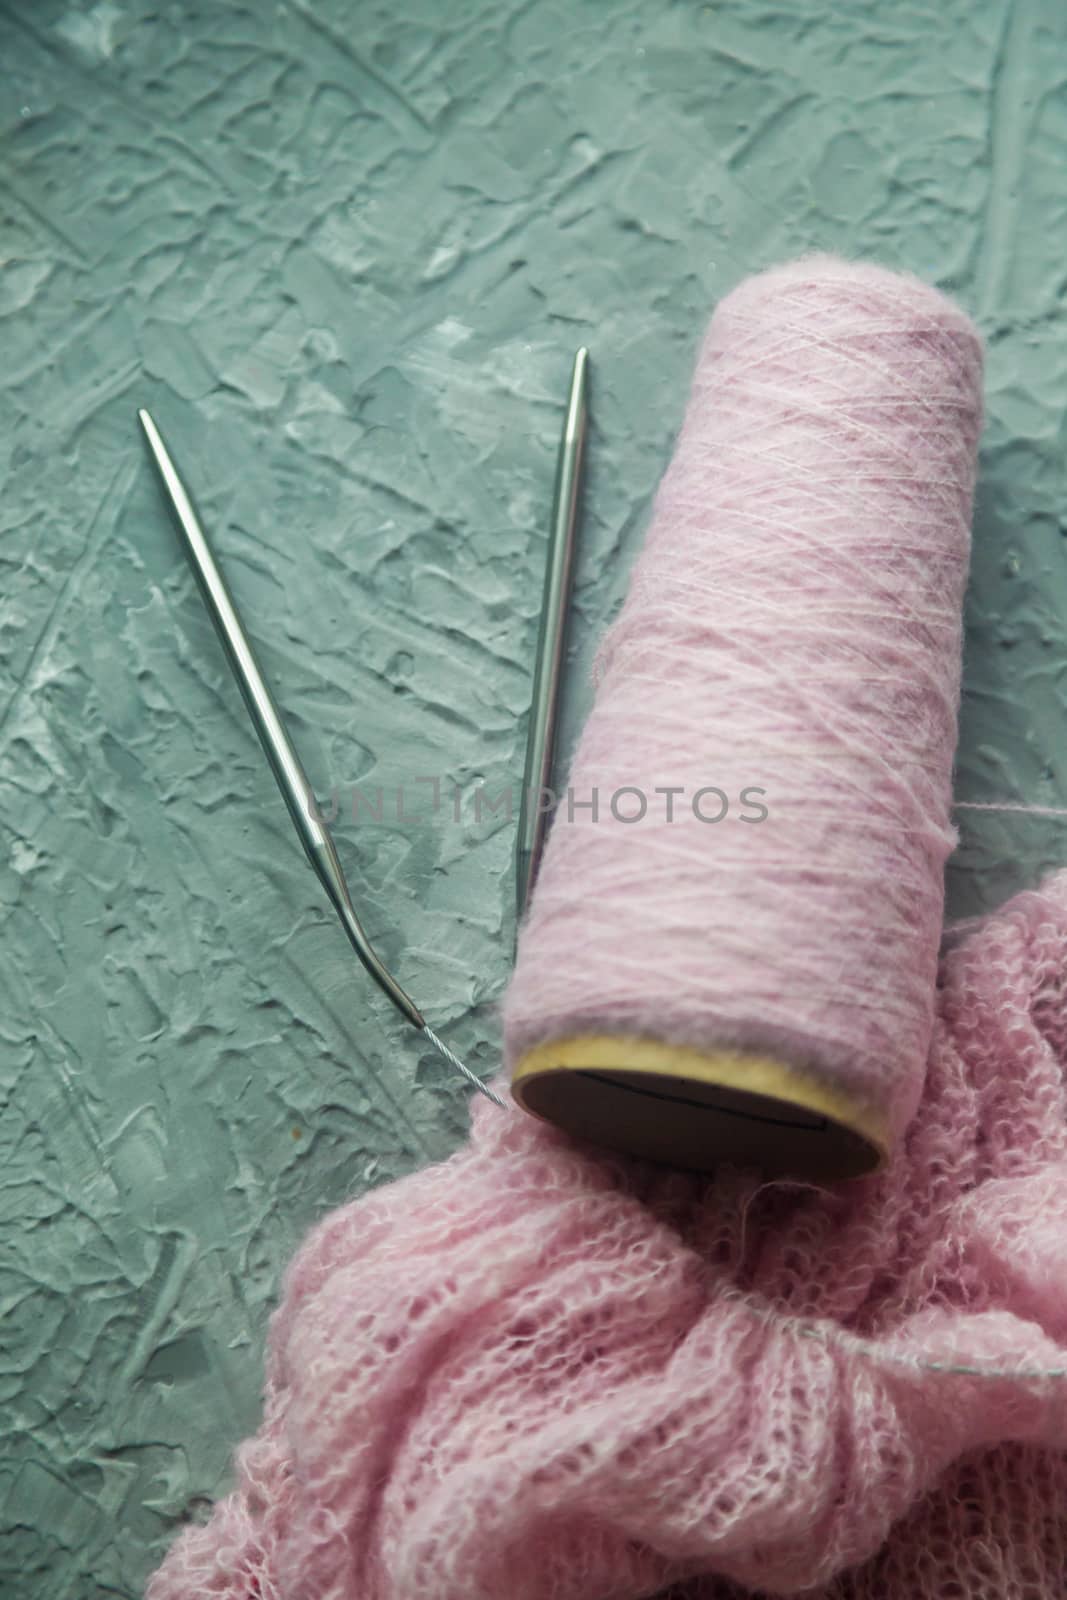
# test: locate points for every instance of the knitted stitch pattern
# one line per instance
(539, 1372)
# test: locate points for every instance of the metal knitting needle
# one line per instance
(277, 746)
(548, 666)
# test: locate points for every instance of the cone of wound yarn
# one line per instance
(731, 949)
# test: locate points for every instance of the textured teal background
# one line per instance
(345, 253)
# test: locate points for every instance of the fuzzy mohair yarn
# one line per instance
(539, 1372)
(793, 627)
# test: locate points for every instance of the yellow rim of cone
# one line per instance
(733, 1070)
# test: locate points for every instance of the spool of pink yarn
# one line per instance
(732, 946)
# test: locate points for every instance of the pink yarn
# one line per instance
(537, 1372)
(793, 624)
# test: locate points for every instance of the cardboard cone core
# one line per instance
(696, 1108)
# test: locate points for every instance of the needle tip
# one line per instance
(577, 400)
(150, 431)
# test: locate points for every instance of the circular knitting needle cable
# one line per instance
(278, 747)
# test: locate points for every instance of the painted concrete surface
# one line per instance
(345, 252)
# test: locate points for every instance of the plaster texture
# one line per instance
(344, 252)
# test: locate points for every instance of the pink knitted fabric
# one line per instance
(537, 1372)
